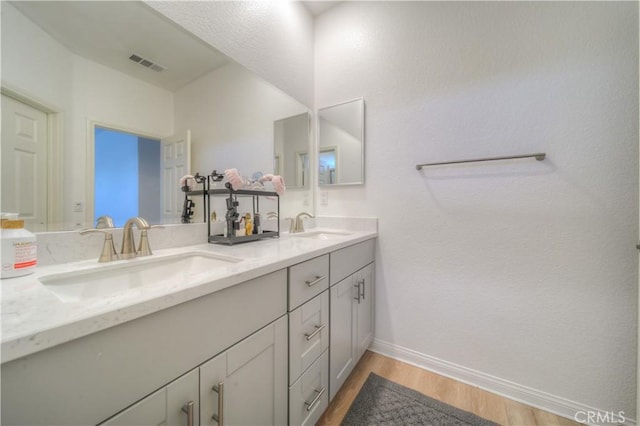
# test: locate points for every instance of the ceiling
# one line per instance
(108, 32)
(318, 7)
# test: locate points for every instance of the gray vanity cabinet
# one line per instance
(175, 404)
(351, 310)
(96, 377)
(272, 350)
(247, 383)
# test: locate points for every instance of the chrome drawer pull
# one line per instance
(318, 329)
(316, 399)
(188, 409)
(220, 416)
(316, 281)
(361, 282)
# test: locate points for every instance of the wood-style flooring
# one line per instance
(466, 397)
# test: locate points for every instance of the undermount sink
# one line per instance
(120, 276)
(322, 235)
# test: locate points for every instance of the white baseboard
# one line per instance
(533, 397)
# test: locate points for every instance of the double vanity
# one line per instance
(259, 333)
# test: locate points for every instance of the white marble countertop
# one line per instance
(34, 319)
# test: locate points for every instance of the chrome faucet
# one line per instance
(128, 242)
(297, 225)
(108, 252)
(105, 221)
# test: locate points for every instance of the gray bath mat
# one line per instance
(382, 402)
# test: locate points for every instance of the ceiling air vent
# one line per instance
(146, 63)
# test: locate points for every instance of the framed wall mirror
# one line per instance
(341, 143)
(87, 63)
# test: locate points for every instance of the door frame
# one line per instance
(90, 163)
(55, 153)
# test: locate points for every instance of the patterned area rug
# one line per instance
(382, 402)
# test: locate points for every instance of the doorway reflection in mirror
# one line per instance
(291, 145)
(341, 144)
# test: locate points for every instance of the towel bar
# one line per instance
(538, 156)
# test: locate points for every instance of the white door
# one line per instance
(176, 162)
(24, 162)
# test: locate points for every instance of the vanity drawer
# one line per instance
(348, 260)
(309, 396)
(308, 334)
(308, 279)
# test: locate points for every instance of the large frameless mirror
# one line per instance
(87, 70)
(341, 143)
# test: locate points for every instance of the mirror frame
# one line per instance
(362, 138)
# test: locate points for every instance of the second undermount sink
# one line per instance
(119, 276)
(322, 235)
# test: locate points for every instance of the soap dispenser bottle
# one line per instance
(19, 250)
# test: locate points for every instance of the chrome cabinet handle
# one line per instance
(188, 409)
(319, 393)
(362, 292)
(316, 281)
(357, 292)
(219, 418)
(318, 329)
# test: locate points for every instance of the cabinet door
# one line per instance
(365, 308)
(150, 411)
(183, 398)
(168, 406)
(342, 341)
(247, 384)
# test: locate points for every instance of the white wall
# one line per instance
(272, 39)
(231, 115)
(36, 65)
(522, 271)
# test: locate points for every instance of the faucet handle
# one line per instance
(144, 249)
(109, 252)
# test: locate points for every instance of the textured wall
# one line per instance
(272, 39)
(521, 270)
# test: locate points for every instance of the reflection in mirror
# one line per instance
(341, 144)
(83, 67)
(126, 176)
(291, 143)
